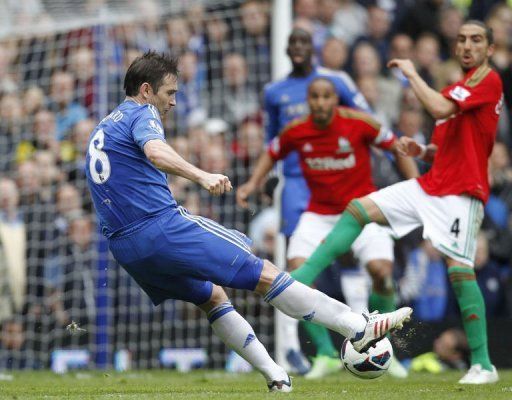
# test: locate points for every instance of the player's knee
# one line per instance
(217, 297)
(269, 273)
(365, 211)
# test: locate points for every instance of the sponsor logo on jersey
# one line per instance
(153, 124)
(344, 146)
(459, 93)
(285, 98)
(330, 163)
(307, 148)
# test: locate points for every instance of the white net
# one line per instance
(62, 65)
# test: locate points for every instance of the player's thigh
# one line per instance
(310, 232)
(452, 223)
(398, 203)
(199, 247)
(294, 200)
(160, 287)
(374, 243)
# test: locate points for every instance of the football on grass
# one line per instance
(369, 365)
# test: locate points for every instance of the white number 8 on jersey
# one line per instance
(96, 154)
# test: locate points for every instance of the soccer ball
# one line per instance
(368, 365)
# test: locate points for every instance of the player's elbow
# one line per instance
(443, 109)
(155, 154)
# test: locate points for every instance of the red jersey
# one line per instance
(335, 160)
(465, 139)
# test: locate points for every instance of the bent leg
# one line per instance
(304, 303)
(339, 241)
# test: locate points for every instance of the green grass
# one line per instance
(219, 385)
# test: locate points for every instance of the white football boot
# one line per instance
(378, 325)
(479, 376)
(282, 386)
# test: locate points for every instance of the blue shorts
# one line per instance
(294, 200)
(177, 255)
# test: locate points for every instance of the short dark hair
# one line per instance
(152, 68)
(489, 34)
(324, 79)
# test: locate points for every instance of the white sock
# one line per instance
(302, 302)
(289, 328)
(238, 335)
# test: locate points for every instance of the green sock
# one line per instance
(382, 302)
(321, 339)
(472, 308)
(337, 242)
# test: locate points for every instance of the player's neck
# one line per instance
(136, 99)
(302, 70)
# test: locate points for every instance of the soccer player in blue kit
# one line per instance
(176, 255)
(284, 101)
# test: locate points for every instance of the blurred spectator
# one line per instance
(490, 278)
(178, 35)
(334, 54)
(190, 94)
(366, 63)
(306, 16)
(42, 138)
(13, 245)
(67, 111)
(377, 31)
(148, 34)
(34, 100)
(401, 46)
(11, 129)
(239, 99)
(82, 65)
(13, 346)
(7, 83)
(424, 283)
(217, 46)
(450, 351)
(369, 87)
(68, 206)
(68, 275)
(427, 57)
(255, 45)
(451, 20)
(410, 124)
(421, 17)
(350, 21)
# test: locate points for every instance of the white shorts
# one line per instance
(451, 222)
(374, 242)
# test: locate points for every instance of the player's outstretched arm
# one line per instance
(436, 104)
(263, 167)
(165, 158)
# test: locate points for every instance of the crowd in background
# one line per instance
(54, 88)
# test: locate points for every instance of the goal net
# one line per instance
(63, 300)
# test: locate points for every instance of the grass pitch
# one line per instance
(160, 384)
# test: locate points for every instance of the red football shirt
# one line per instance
(335, 160)
(465, 139)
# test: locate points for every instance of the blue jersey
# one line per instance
(126, 188)
(286, 100)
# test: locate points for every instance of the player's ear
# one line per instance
(146, 90)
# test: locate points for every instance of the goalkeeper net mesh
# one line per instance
(62, 66)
